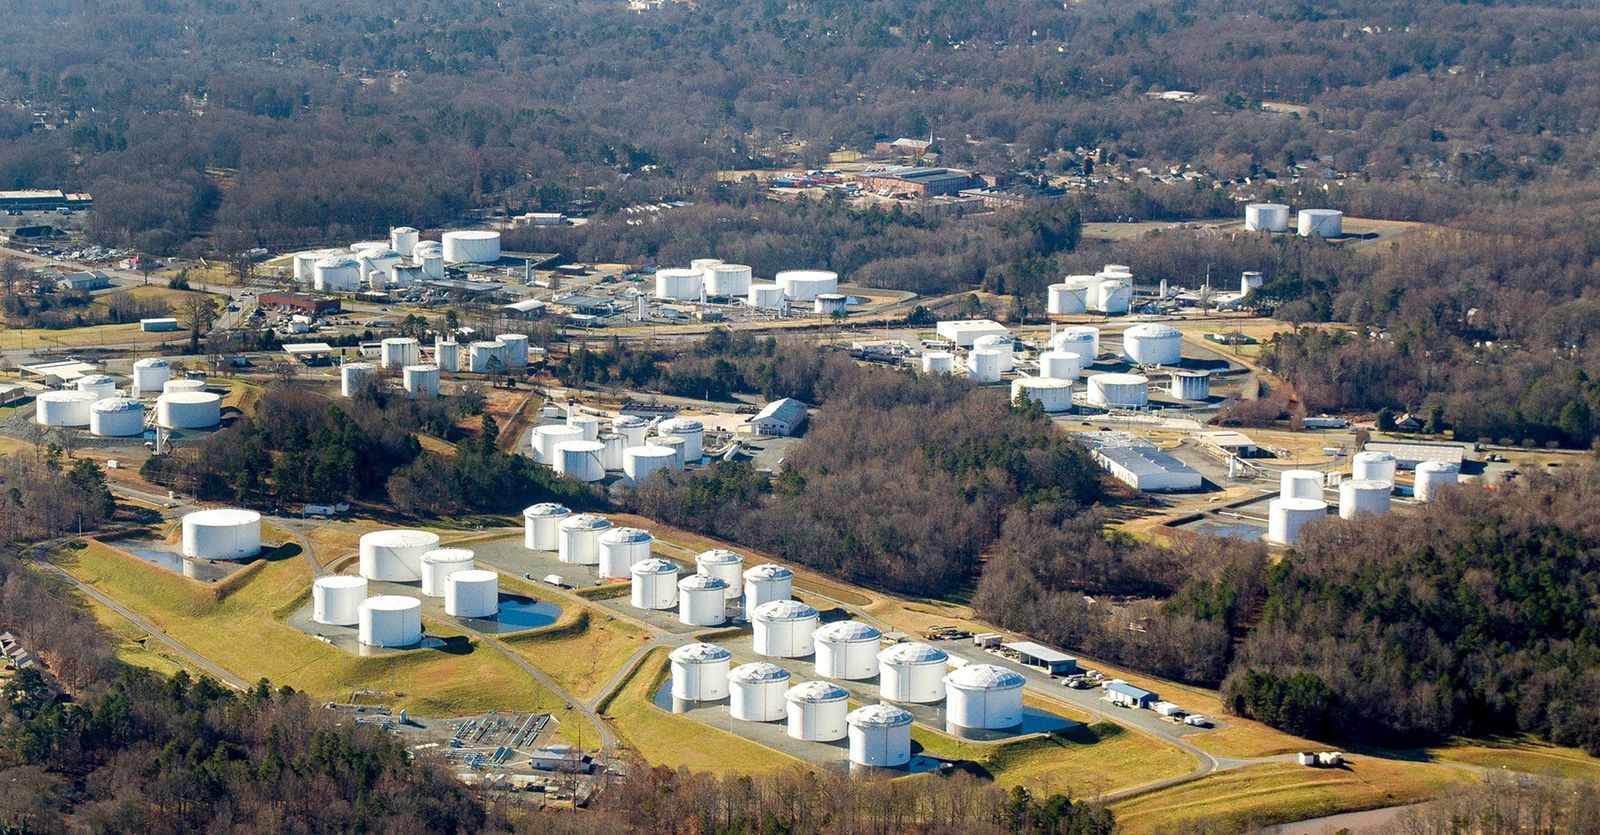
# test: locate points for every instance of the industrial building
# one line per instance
(89, 280)
(964, 332)
(26, 200)
(310, 353)
(1126, 695)
(919, 181)
(780, 418)
(1139, 463)
(1054, 662)
(1408, 455)
(306, 303)
(1230, 443)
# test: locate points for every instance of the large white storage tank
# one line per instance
(337, 274)
(222, 533)
(1373, 466)
(1190, 385)
(1321, 223)
(691, 431)
(431, 259)
(395, 556)
(702, 600)
(756, 692)
(399, 351)
(725, 565)
(726, 280)
(1060, 365)
(983, 697)
(472, 593)
(189, 410)
(1082, 340)
(305, 264)
(765, 296)
(580, 460)
(1266, 217)
(1051, 394)
(912, 672)
(541, 525)
(447, 355)
(440, 563)
(847, 649)
(784, 629)
(375, 266)
(1119, 391)
(546, 438)
(99, 385)
(1431, 476)
(150, 375)
(620, 549)
(336, 599)
(817, 711)
(483, 355)
(403, 240)
(1115, 295)
(390, 620)
(880, 736)
(471, 246)
(1300, 484)
(984, 364)
(116, 417)
(1152, 344)
(421, 381)
(1002, 343)
(64, 408)
(1067, 299)
(516, 354)
(806, 285)
(1285, 518)
(678, 284)
(632, 427)
(700, 672)
(356, 376)
(938, 362)
(578, 538)
(175, 386)
(613, 449)
(1363, 497)
(639, 462)
(655, 584)
(765, 583)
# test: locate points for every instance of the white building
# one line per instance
(964, 331)
(779, 418)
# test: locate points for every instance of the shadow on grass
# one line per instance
(456, 645)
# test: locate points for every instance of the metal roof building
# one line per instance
(1125, 694)
(1139, 463)
(1409, 455)
(1038, 655)
(780, 417)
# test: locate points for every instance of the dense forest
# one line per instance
(714, 368)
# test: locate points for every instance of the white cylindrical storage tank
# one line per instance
(766, 296)
(1060, 365)
(541, 525)
(471, 246)
(702, 600)
(149, 375)
(1051, 394)
(1067, 299)
(99, 385)
(472, 593)
(1266, 217)
(441, 563)
(1321, 223)
(880, 736)
(1152, 344)
(1190, 385)
(1372, 466)
(1363, 497)
(395, 556)
(1285, 518)
(726, 279)
(189, 410)
(305, 265)
(676, 444)
(1119, 391)
(577, 538)
(784, 629)
(482, 355)
(700, 672)
(432, 264)
(983, 364)
(338, 274)
(1250, 280)
(336, 599)
(375, 266)
(806, 285)
(612, 448)
(912, 672)
(403, 239)
(447, 355)
(831, 304)
(678, 284)
(691, 431)
(724, 565)
(367, 246)
(399, 351)
(620, 548)
(421, 381)
(639, 462)
(588, 423)
(847, 649)
(765, 583)
(817, 711)
(516, 355)
(580, 460)
(390, 620)
(1301, 484)
(702, 264)
(547, 437)
(355, 376)
(756, 692)
(632, 427)
(1001, 343)
(1431, 476)
(222, 533)
(1082, 340)
(1115, 294)
(116, 417)
(174, 386)
(983, 697)
(64, 408)
(655, 584)
(938, 362)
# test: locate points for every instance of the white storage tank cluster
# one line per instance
(817, 711)
(541, 525)
(1152, 344)
(149, 375)
(336, 599)
(390, 620)
(620, 549)
(375, 265)
(847, 649)
(702, 600)
(984, 364)
(725, 565)
(1066, 299)
(631, 427)
(1320, 223)
(1119, 391)
(938, 362)
(912, 672)
(639, 462)
(580, 460)
(189, 410)
(471, 246)
(765, 296)
(655, 584)
(99, 385)
(700, 672)
(222, 533)
(305, 264)
(395, 556)
(765, 583)
(578, 538)
(421, 381)
(483, 354)
(806, 285)
(1286, 516)
(1002, 343)
(1190, 385)
(880, 736)
(1051, 394)
(440, 563)
(1431, 476)
(1266, 217)
(447, 355)
(1300, 484)
(403, 240)
(983, 697)
(1082, 340)
(1060, 365)
(784, 629)
(726, 279)
(831, 304)
(116, 417)
(430, 254)
(472, 593)
(678, 284)
(337, 274)
(546, 438)
(399, 351)
(64, 408)
(756, 692)
(1358, 497)
(175, 386)
(355, 376)
(1373, 466)
(691, 431)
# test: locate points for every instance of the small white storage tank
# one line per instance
(395, 556)
(912, 672)
(399, 352)
(1060, 365)
(784, 629)
(355, 376)
(1067, 299)
(655, 584)
(1152, 344)
(613, 446)
(1082, 340)
(1250, 280)
(831, 304)
(432, 261)
(1051, 394)
(1301, 484)
(149, 375)
(516, 353)
(1119, 391)
(421, 381)
(174, 386)
(441, 563)
(983, 697)
(1285, 518)
(691, 431)
(541, 525)
(116, 417)
(403, 239)
(580, 460)
(880, 736)
(64, 408)
(817, 711)
(1190, 385)
(483, 355)
(998, 342)
(678, 284)
(472, 593)
(700, 672)
(1321, 223)
(1266, 217)
(1115, 295)
(578, 538)
(702, 600)
(765, 296)
(806, 285)
(726, 279)
(847, 649)
(337, 274)
(938, 362)
(471, 246)
(222, 533)
(1431, 476)
(983, 364)
(632, 427)
(336, 599)
(725, 565)
(99, 385)
(756, 692)
(305, 264)
(1363, 497)
(390, 620)
(1372, 466)
(639, 462)
(765, 583)
(447, 355)
(189, 410)
(620, 549)
(674, 443)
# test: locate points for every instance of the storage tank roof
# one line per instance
(359, 366)
(580, 446)
(117, 404)
(993, 340)
(1079, 330)
(1043, 383)
(700, 653)
(678, 272)
(757, 671)
(1267, 206)
(681, 425)
(472, 235)
(776, 610)
(879, 716)
(340, 581)
(439, 555)
(651, 451)
(815, 692)
(401, 538)
(1437, 467)
(337, 262)
(626, 535)
(768, 571)
(848, 630)
(1298, 504)
(1122, 379)
(1368, 484)
(546, 509)
(701, 582)
(379, 252)
(96, 379)
(628, 420)
(69, 396)
(404, 230)
(222, 517)
(1374, 455)
(493, 343)
(472, 575)
(391, 603)
(984, 677)
(914, 653)
(189, 397)
(807, 275)
(718, 556)
(585, 522)
(400, 340)
(1153, 330)
(654, 566)
(152, 362)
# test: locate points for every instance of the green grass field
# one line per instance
(581, 652)
(1524, 754)
(1086, 761)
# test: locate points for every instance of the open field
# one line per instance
(1086, 762)
(1520, 754)
(133, 645)
(84, 337)
(582, 651)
